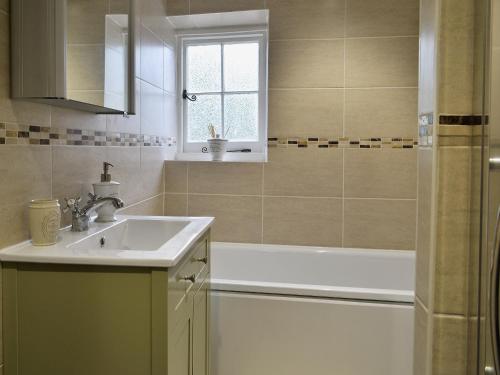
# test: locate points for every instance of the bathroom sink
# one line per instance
(133, 234)
(152, 241)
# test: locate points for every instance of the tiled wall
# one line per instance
(342, 70)
(65, 160)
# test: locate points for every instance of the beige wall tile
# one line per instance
(225, 178)
(21, 111)
(86, 21)
(424, 191)
(311, 63)
(382, 62)
(299, 19)
(456, 57)
(127, 166)
(453, 229)
(312, 172)
(65, 118)
(379, 224)
(217, 6)
(85, 67)
(305, 112)
(176, 180)
(381, 113)
(4, 54)
(152, 165)
(237, 218)
(4, 5)
(450, 345)
(152, 117)
(177, 7)
(382, 18)
(475, 257)
(14, 223)
(380, 173)
(176, 204)
(151, 58)
(303, 221)
(118, 6)
(421, 339)
(152, 206)
(26, 174)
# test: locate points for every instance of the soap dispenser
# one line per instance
(106, 188)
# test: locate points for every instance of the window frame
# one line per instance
(210, 36)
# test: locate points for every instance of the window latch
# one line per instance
(185, 96)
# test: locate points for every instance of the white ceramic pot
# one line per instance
(217, 148)
(45, 221)
(106, 213)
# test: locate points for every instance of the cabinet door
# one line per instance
(200, 331)
(179, 352)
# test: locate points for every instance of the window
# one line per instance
(227, 75)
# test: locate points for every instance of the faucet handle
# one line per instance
(72, 204)
(93, 197)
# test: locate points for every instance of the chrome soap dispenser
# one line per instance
(106, 188)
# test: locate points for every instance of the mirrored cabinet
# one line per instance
(74, 53)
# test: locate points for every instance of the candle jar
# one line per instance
(45, 220)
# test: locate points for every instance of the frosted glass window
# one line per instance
(241, 67)
(203, 68)
(241, 118)
(206, 110)
(227, 74)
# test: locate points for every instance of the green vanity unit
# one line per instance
(78, 319)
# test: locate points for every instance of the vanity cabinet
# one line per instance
(62, 319)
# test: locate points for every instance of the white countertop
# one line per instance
(65, 251)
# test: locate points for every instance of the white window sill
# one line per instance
(229, 157)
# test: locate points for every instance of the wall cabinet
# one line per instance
(62, 319)
(74, 53)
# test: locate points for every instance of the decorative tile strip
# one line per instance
(20, 134)
(342, 142)
(461, 119)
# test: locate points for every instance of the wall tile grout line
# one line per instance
(344, 100)
(344, 38)
(343, 88)
(262, 200)
(293, 196)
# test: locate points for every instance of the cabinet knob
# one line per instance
(202, 260)
(191, 278)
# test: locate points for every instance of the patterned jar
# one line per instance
(45, 220)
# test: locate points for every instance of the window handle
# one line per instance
(191, 98)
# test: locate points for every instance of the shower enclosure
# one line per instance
(484, 262)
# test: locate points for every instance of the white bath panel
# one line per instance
(256, 334)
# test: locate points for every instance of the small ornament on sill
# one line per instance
(216, 145)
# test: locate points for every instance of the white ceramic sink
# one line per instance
(152, 241)
(133, 234)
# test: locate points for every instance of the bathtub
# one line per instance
(292, 310)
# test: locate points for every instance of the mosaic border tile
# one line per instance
(21, 134)
(462, 119)
(342, 142)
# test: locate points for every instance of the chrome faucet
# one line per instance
(80, 216)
